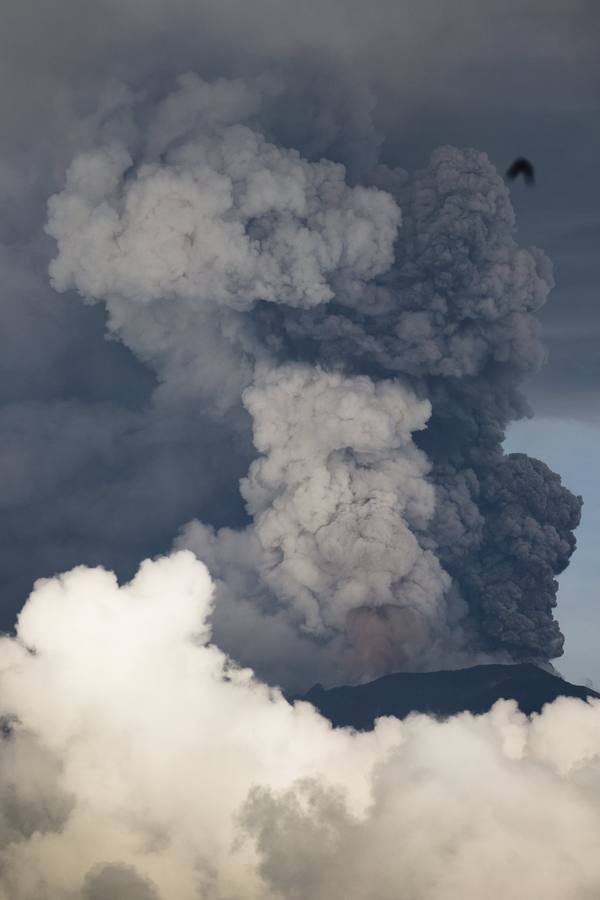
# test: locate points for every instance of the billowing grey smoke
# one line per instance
(339, 497)
(376, 334)
(528, 537)
(455, 314)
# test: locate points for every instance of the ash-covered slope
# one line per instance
(474, 690)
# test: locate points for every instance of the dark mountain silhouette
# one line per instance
(442, 694)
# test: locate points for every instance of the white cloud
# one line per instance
(148, 763)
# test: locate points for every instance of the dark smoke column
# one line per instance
(527, 540)
(374, 338)
(455, 314)
(504, 524)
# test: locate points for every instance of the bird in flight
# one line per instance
(521, 166)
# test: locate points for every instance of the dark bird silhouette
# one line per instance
(521, 166)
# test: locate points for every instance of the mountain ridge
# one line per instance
(442, 694)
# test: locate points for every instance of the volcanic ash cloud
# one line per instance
(372, 337)
(341, 505)
(139, 762)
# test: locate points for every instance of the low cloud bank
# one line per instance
(139, 762)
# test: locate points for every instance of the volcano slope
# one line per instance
(442, 694)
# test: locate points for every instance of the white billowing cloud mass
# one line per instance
(139, 763)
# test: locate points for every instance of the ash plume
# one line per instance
(312, 357)
(376, 335)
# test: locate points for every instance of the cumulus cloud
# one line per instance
(139, 761)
